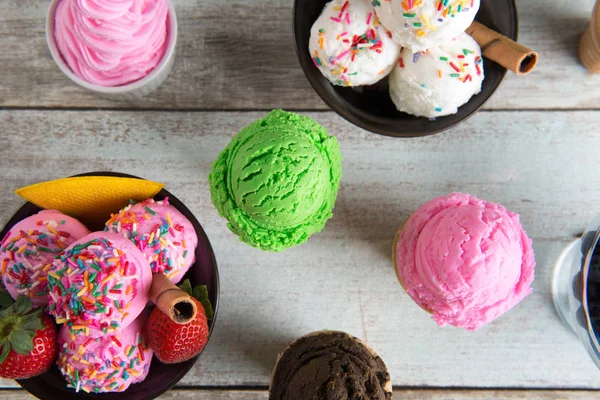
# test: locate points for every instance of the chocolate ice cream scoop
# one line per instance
(330, 365)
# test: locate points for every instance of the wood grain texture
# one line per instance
(545, 169)
(199, 394)
(240, 54)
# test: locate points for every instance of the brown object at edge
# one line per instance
(388, 385)
(506, 52)
(589, 46)
(171, 300)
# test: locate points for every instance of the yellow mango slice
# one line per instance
(91, 199)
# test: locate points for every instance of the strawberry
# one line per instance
(27, 340)
(174, 343)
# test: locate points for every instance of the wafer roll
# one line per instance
(589, 46)
(171, 300)
(506, 52)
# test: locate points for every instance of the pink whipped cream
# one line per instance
(465, 260)
(111, 42)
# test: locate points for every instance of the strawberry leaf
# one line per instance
(208, 311)
(5, 299)
(5, 350)
(21, 341)
(7, 312)
(32, 321)
(23, 305)
(186, 286)
(200, 293)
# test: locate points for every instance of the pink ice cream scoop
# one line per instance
(99, 285)
(465, 260)
(105, 364)
(28, 250)
(111, 42)
(165, 236)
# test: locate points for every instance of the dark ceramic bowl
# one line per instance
(52, 386)
(373, 109)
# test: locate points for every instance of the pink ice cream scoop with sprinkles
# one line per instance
(29, 248)
(104, 364)
(165, 236)
(99, 285)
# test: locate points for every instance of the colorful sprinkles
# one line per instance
(462, 65)
(97, 365)
(444, 9)
(27, 256)
(457, 66)
(85, 287)
(162, 242)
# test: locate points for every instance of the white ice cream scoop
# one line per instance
(423, 24)
(439, 80)
(349, 45)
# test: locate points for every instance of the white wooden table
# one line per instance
(534, 148)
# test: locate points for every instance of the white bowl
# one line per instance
(131, 91)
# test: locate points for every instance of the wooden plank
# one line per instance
(239, 54)
(441, 394)
(545, 169)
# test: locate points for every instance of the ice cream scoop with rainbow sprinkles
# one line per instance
(165, 236)
(437, 81)
(105, 364)
(99, 285)
(28, 250)
(349, 45)
(423, 24)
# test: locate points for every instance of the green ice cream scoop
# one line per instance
(277, 180)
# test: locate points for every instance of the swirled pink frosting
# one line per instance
(111, 42)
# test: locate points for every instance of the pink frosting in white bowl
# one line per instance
(465, 260)
(123, 55)
(111, 42)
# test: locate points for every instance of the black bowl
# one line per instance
(51, 385)
(373, 109)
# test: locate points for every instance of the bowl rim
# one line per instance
(127, 88)
(27, 383)
(588, 257)
(350, 116)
